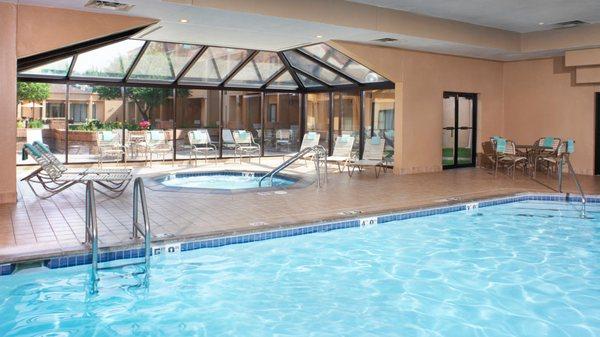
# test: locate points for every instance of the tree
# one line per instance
(145, 98)
(32, 92)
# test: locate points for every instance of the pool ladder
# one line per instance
(91, 229)
(319, 154)
(564, 158)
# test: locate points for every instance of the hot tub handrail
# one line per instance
(317, 149)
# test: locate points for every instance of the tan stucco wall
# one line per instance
(8, 102)
(42, 29)
(542, 99)
(421, 79)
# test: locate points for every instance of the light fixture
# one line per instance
(183, 20)
(541, 23)
(319, 36)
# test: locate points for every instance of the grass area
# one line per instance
(464, 156)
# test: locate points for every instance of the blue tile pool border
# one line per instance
(132, 253)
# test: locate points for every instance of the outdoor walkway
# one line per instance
(34, 228)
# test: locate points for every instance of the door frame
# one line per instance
(473, 97)
(597, 136)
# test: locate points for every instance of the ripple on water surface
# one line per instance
(491, 273)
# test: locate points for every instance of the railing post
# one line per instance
(91, 231)
(139, 198)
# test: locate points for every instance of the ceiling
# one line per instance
(513, 15)
(218, 27)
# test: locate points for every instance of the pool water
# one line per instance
(224, 180)
(522, 269)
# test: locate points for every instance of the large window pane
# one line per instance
(317, 116)
(284, 81)
(214, 65)
(150, 109)
(56, 68)
(110, 61)
(282, 123)
(41, 113)
(346, 116)
(163, 61)
(94, 111)
(308, 82)
(241, 112)
(258, 71)
(198, 110)
(343, 63)
(379, 119)
(314, 69)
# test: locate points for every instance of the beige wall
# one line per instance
(421, 78)
(42, 29)
(542, 99)
(8, 102)
(521, 100)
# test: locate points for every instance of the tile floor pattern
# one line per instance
(34, 228)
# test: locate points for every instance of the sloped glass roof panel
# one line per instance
(311, 67)
(214, 65)
(343, 63)
(256, 72)
(163, 61)
(111, 61)
(284, 81)
(58, 68)
(309, 82)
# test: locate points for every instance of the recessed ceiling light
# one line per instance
(319, 36)
(541, 23)
(183, 20)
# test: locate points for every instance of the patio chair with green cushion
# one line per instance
(157, 143)
(54, 177)
(372, 157)
(109, 146)
(552, 162)
(508, 157)
(201, 144)
(342, 151)
(489, 156)
(545, 147)
(245, 145)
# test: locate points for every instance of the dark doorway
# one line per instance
(459, 136)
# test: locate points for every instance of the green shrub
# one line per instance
(36, 124)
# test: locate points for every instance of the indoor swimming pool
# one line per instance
(224, 180)
(529, 268)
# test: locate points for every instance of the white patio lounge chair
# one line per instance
(245, 145)
(283, 137)
(109, 146)
(310, 139)
(342, 151)
(201, 144)
(157, 143)
(372, 157)
(54, 177)
(228, 141)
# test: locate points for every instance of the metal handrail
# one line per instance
(91, 227)
(139, 197)
(317, 149)
(565, 158)
(91, 231)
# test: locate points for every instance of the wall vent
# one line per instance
(568, 24)
(110, 5)
(385, 40)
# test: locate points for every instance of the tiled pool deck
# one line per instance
(35, 228)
